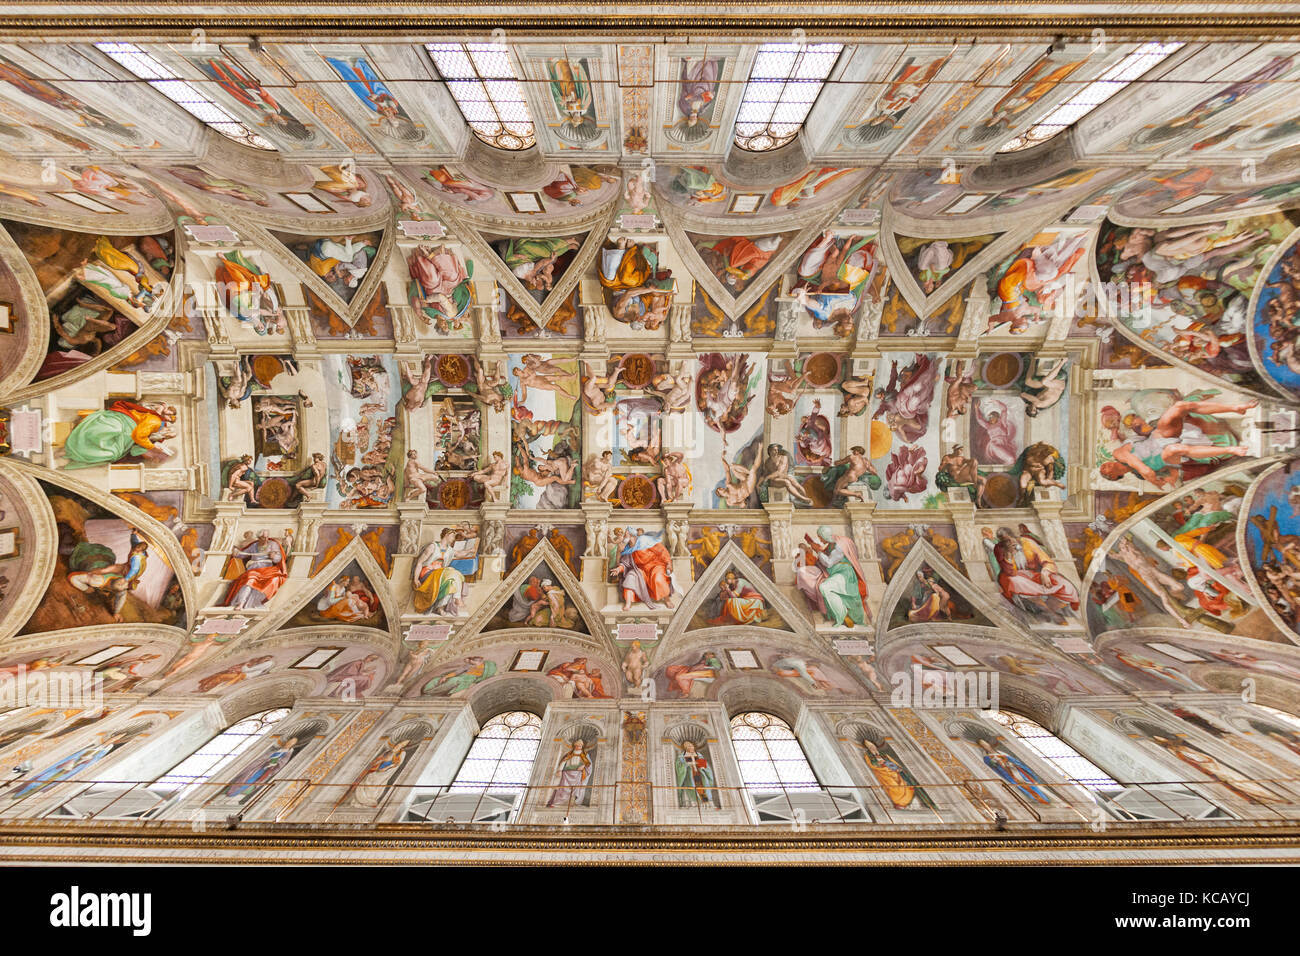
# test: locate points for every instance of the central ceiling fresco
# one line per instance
(343, 375)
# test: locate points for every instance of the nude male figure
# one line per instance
(237, 485)
(598, 475)
(415, 473)
(495, 478)
(740, 484)
(1050, 388)
(317, 477)
(776, 471)
(859, 465)
(541, 374)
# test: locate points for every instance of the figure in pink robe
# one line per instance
(995, 434)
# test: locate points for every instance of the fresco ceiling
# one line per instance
(382, 387)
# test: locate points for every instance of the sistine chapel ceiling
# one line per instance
(332, 370)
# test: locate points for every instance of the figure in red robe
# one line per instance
(645, 570)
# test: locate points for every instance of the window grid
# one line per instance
(483, 83)
(1071, 764)
(219, 752)
(769, 756)
(1083, 102)
(501, 758)
(784, 82)
(182, 93)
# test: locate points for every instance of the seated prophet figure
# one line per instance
(644, 570)
(831, 578)
(247, 293)
(124, 429)
(436, 274)
(259, 569)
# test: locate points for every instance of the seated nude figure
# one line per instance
(237, 485)
(314, 480)
(963, 469)
(414, 474)
(859, 465)
(776, 471)
(495, 478)
(598, 476)
(676, 479)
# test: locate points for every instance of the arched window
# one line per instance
(769, 754)
(217, 754)
(779, 781)
(482, 81)
(212, 761)
(184, 94)
(490, 785)
(1083, 101)
(1069, 763)
(784, 82)
(501, 757)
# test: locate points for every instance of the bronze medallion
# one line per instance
(638, 370)
(454, 494)
(636, 491)
(1002, 369)
(453, 370)
(265, 368)
(1001, 491)
(274, 493)
(821, 369)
